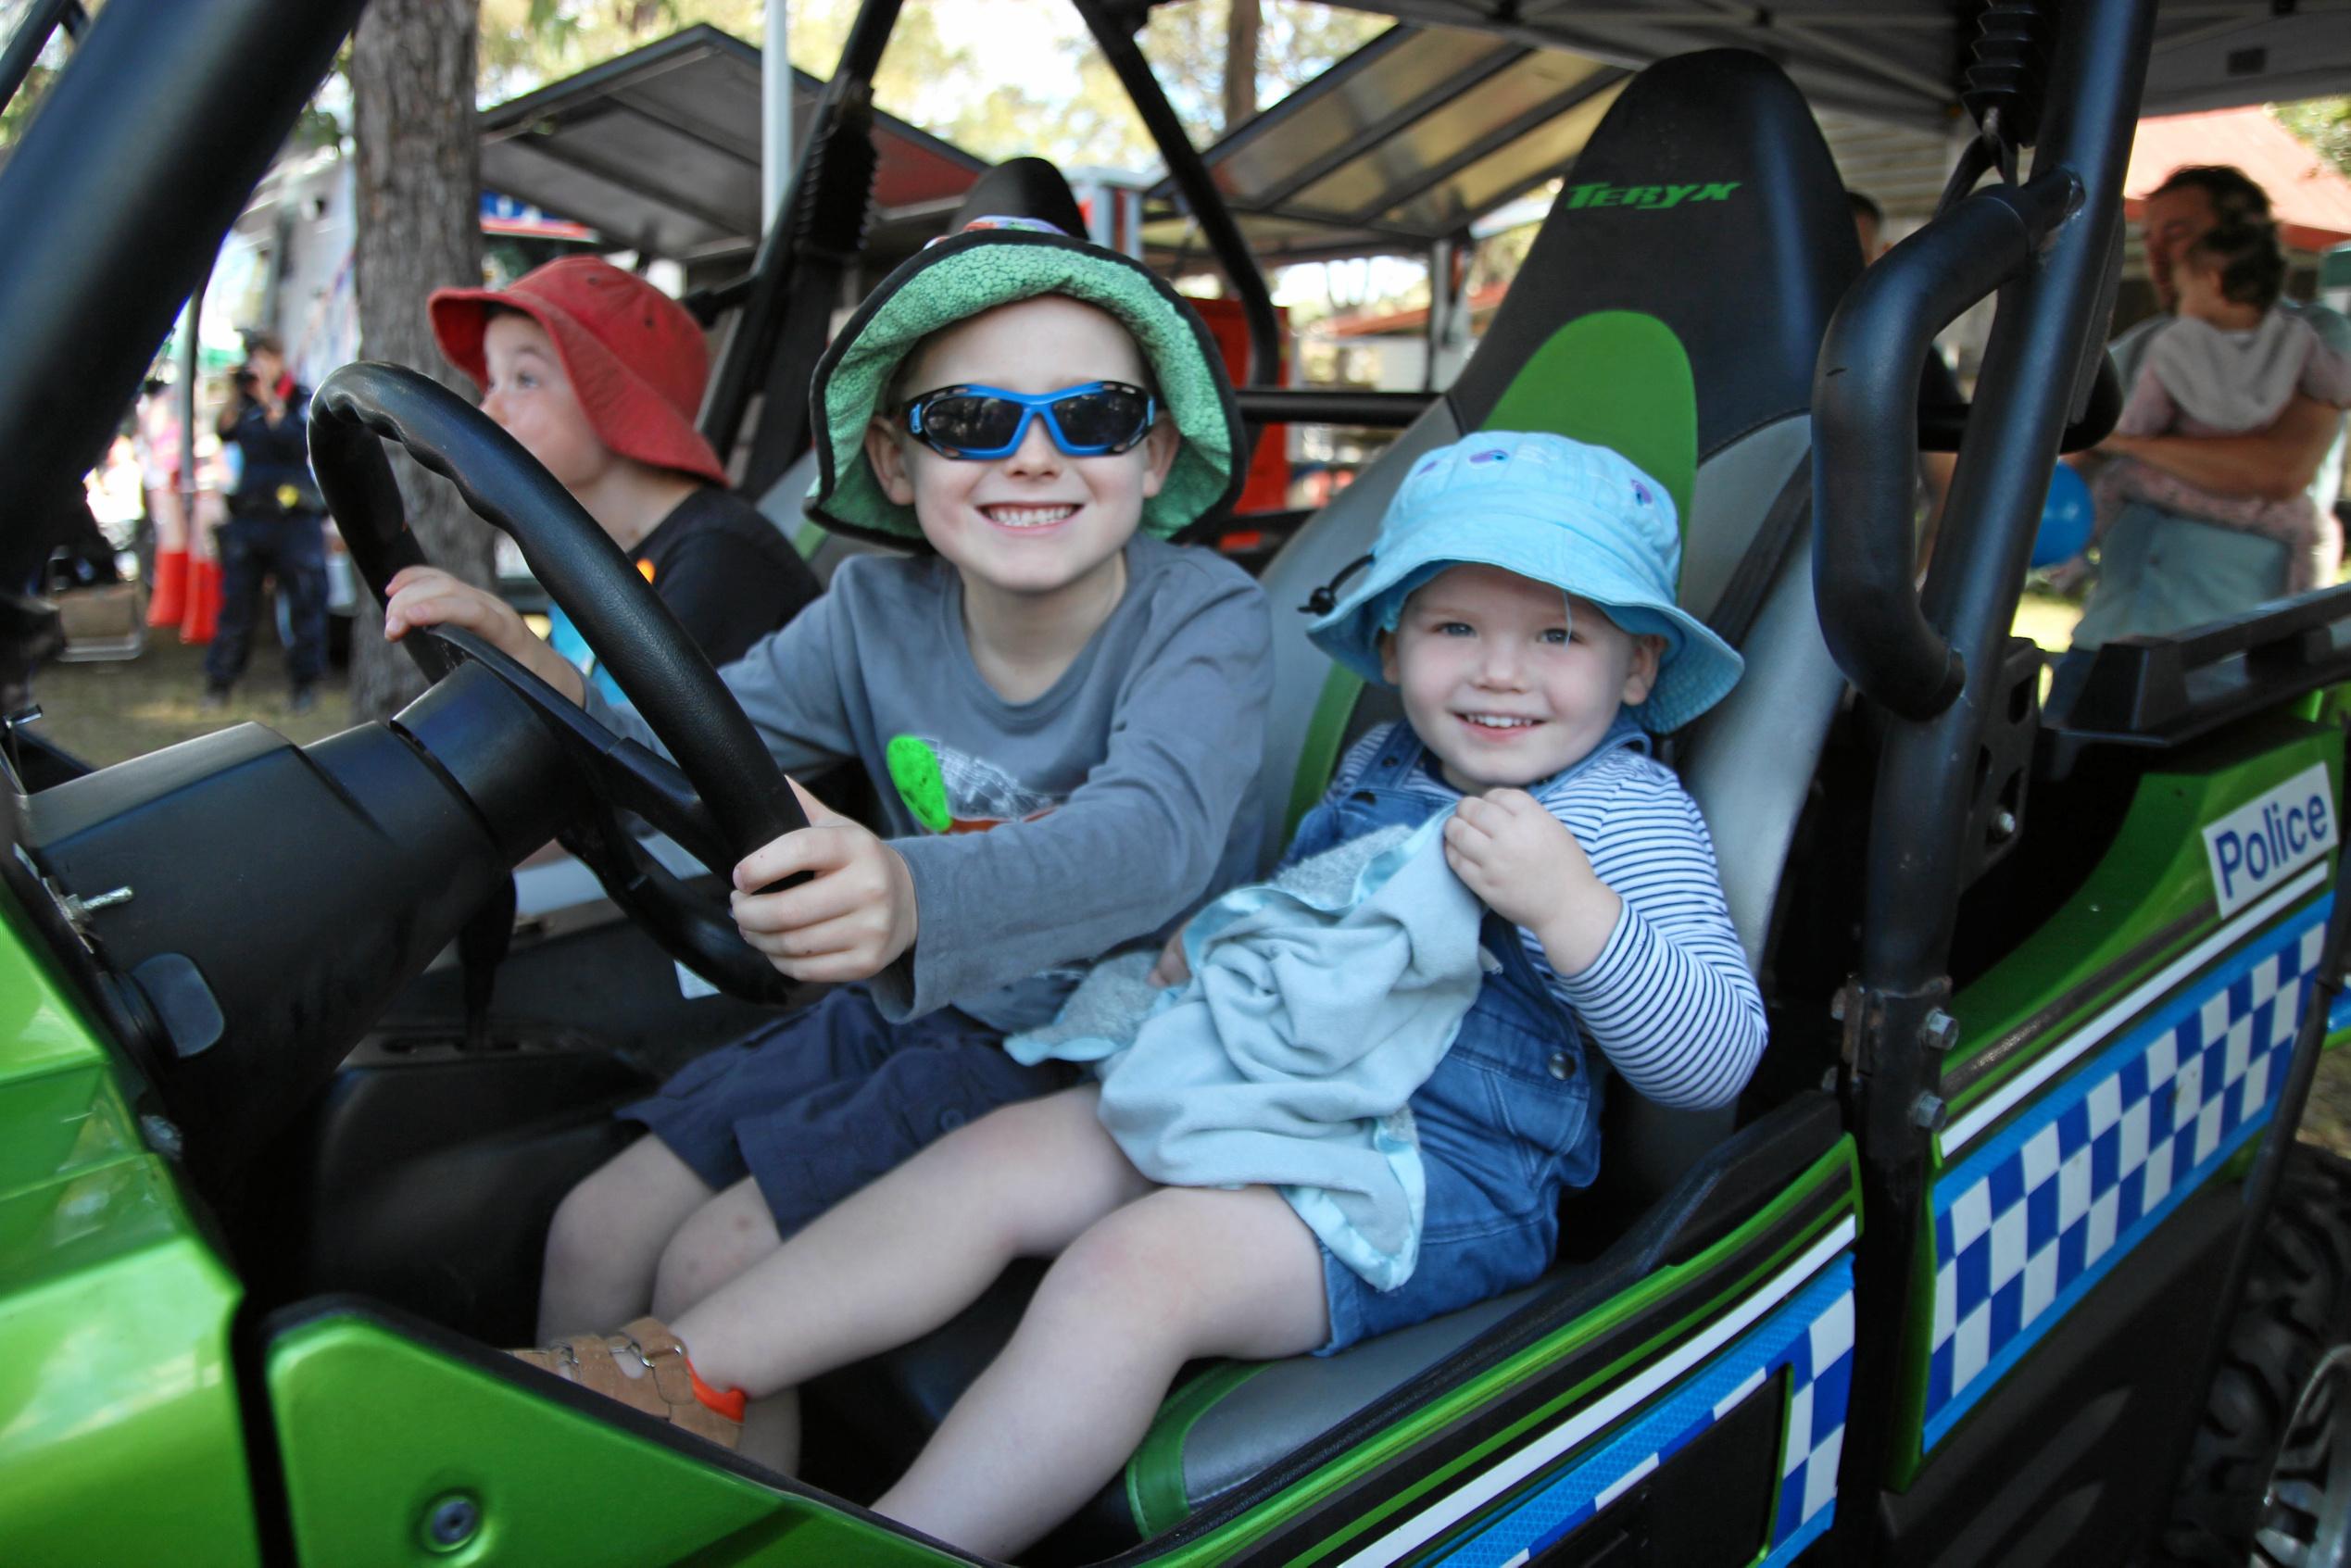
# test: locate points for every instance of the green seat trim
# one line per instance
(1619, 378)
(1318, 759)
(1155, 1476)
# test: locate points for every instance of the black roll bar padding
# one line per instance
(771, 295)
(177, 110)
(362, 405)
(1198, 187)
(1865, 411)
(1941, 429)
(1331, 406)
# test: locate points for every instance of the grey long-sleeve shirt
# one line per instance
(1125, 793)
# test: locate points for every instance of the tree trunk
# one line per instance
(1241, 63)
(418, 195)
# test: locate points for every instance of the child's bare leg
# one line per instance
(910, 1250)
(716, 1241)
(1181, 1273)
(606, 1239)
(720, 1240)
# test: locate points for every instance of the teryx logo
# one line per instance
(2253, 846)
(1650, 197)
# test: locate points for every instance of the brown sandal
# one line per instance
(665, 1389)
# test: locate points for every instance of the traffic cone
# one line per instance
(203, 601)
(169, 600)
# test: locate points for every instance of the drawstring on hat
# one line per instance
(1324, 600)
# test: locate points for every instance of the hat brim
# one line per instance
(628, 415)
(1697, 671)
(960, 277)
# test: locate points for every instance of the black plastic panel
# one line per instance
(1745, 265)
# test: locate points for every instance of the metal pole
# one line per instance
(775, 116)
(190, 356)
(1199, 188)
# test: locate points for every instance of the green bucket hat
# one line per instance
(994, 262)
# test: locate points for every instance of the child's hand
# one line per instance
(1172, 969)
(425, 596)
(1524, 864)
(2070, 575)
(851, 920)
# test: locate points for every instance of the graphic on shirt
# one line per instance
(947, 791)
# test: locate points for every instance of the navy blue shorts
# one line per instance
(821, 1103)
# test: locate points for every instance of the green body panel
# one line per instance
(377, 1431)
(117, 1401)
(2149, 899)
(1162, 1448)
(2153, 878)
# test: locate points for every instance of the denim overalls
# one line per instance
(1510, 1117)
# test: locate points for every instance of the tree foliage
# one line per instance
(1069, 108)
(2324, 124)
(19, 111)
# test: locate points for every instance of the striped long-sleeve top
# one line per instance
(1669, 1001)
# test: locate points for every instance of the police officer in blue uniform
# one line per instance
(275, 528)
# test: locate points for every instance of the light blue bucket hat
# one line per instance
(1559, 511)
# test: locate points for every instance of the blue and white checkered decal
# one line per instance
(2026, 1225)
(1811, 1336)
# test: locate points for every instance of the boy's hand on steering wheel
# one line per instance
(850, 921)
(425, 596)
(1524, 864)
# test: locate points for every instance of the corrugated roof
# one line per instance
(660, 148)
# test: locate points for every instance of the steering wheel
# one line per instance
(723, 797)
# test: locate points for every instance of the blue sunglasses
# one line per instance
(980, 423)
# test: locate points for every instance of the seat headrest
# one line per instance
(1711, 158)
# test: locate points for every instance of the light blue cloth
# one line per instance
(1317, 1005)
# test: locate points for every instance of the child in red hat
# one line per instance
(599, 374)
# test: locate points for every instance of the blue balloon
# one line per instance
(2064, 519)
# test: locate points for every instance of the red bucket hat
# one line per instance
(635, 358)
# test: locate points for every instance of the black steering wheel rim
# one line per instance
(666, 677)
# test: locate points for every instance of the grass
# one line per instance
(105, 713)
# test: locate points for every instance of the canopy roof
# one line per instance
(1424, 130)
(1898, 60)
(660, 148)
(1427, 128)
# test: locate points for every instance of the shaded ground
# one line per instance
(105, 713)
